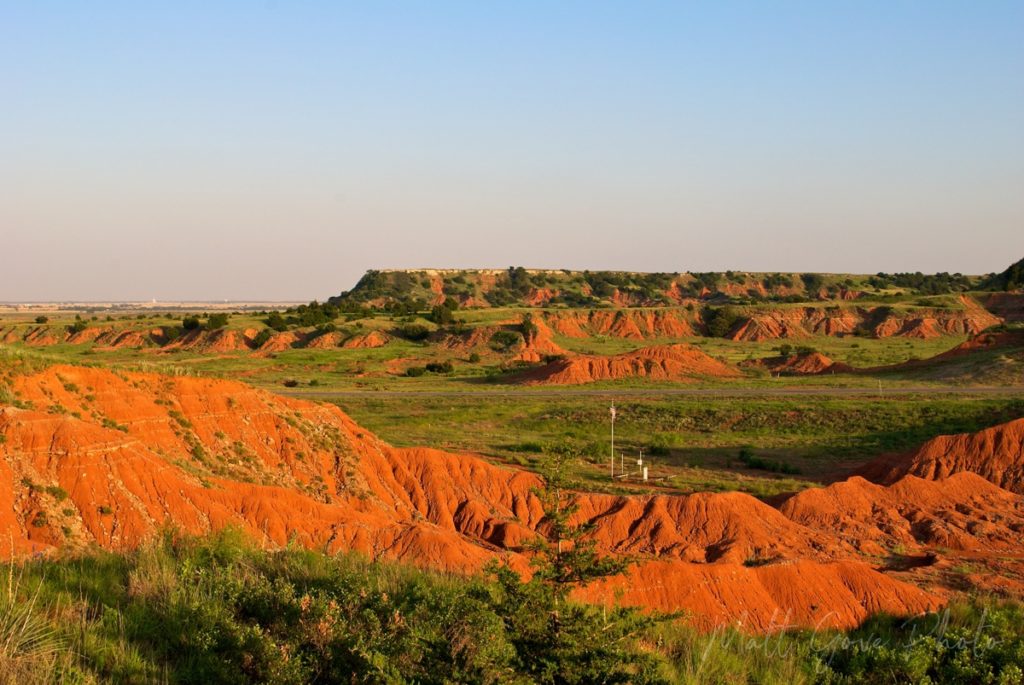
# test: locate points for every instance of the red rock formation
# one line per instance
(366, 340)
(962, 512)
(668, 362)
(810, 364)
(1008, 306)
(134, 451)
(637, 324)
(996, 454)
(324, 341)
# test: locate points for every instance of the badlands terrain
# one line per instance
(821, 451)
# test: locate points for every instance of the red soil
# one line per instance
(280, 341)
(366, 340)
(800, 322)
(667, 362)
(962, 512)
(324, 341)
(136, 451)
(811, 364)
(638, 324)
(996, 454)
(1009, 306)
(539, 345)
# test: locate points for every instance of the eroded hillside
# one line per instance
(93, 456)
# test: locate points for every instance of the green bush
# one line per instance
(262, 337)
(217, 321)
(276, 321)
(440, 367)
(720, 321)
(413, 331)
(503, 341)
(220, 610)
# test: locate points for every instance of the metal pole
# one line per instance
(613, 440)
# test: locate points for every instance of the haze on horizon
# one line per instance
(184, 151)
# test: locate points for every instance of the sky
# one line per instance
(277, 150)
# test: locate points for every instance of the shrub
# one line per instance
(527, 327)
(503, 341)
(262, 337)
(42, 319)
(750, 460)
(190, 323)
(440, 367)
(442, 315)
(57, 492)
(413, 331)
(720, 320)
(217, 321)
(474, 358)
(415, 371)
(275, 321)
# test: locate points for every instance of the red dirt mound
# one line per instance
(366, 340)
(962, 512)
(539, 344)
(107, 458)
(324, 341)
(669, 362)
(809, 364)
(983, 341)
(766, 599)
(1008, 306)
(996, 454)
(637, 324)
(763, 327)
(800, 322)
(279, 342)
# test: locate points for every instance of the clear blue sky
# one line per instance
(246, 150)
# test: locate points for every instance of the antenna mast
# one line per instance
(613, 440)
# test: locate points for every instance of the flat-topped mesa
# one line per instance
(678, 363)
(519, 286)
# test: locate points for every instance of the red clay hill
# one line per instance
(996, 454)
(679, 363)
(92, 456)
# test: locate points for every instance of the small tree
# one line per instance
(42, 319)
(558, 640)
(413, 331)
(441, 315)
(720, 320)
(503, 341)
(528, 328)
(217, 321)
(276, 321)
(262, 337)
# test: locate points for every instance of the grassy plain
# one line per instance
(692, 443)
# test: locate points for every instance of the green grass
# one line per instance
(219, 610)
(696, 441)
(382, 368)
